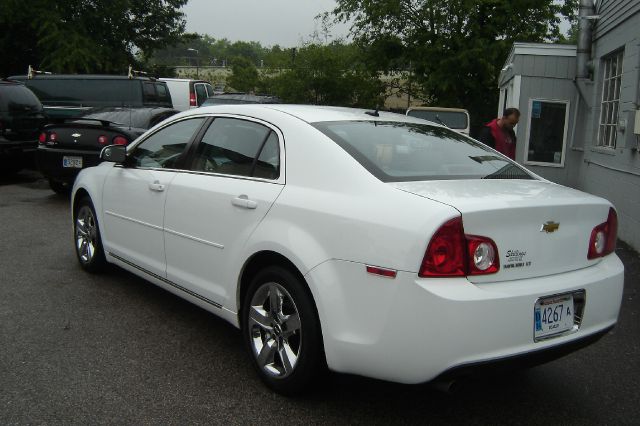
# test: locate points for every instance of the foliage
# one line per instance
(244, 77)
(454, 49)
(86, 35)
(325, 75)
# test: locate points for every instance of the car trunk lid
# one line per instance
(540, 228)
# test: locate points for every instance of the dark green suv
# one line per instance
(21, 118)
(74, 95)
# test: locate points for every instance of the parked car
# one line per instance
(383, 245)
(69, 96)
(454, 118)
(240, 98)
(187, 93)
(21, 118)
(66, 148)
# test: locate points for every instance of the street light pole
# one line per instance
(197, 60)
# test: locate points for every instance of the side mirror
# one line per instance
(114, 153)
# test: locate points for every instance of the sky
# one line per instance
(270, 22)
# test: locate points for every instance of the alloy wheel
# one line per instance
(275, 331)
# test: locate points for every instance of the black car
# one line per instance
(21, 118)
(73, 95)
(68, 147)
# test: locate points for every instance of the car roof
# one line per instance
(81, 77)
(437, 109)
(309, 113)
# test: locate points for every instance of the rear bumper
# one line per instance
(414, 330)
(49, 161)
(9, 148)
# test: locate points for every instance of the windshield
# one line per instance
(14, 97)
(452, 119)
(400, 152)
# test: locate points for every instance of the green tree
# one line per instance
(86, 35)
(333, 74)
(244, 75)
(454, 49)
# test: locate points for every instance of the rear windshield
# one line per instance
(400, 152)
(77, 92)
(15, 97)
(452, 119)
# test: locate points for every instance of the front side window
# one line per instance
(401, 152)
(612, 77)
(163, 149)
(201, 93)
(238, 147)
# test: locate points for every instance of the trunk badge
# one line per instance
(76, 135)
(549, 227)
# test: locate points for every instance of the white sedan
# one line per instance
(369, 243)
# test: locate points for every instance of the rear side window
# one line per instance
(238, 147)
(149, 92)
(399, 152)
(91, 92)
(162, 93)
(164, 148)
(452, 119)
(15, 97)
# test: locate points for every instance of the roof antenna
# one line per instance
(373, 113)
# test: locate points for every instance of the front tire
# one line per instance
(86, 233)
(281, 329)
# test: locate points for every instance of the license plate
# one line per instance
(72, 162)
(553, 315)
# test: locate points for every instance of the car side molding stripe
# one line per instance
(166, 281)
(199, 240)
(110, 213)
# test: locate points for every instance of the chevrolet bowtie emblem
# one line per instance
(549, 227)
(76, 135)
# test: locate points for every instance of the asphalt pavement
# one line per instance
(84, 349)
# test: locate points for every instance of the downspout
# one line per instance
(583, 53)
(583, 56)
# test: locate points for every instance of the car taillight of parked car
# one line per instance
(48, 138)
(451, 253)
(603, 237)
(103, 140)
(192, 99)
(120, 140)
(42, 138)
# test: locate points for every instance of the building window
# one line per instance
(607, 132)
(547, 132)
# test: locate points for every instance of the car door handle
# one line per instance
(244, 202)
(156, 186)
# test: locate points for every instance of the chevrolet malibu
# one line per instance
(366, 242)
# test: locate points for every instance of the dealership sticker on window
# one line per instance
(516, 259)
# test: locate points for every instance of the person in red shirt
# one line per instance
(499, 134)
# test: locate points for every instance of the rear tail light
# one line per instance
(53, 137)
(603, 237)
(451, 253)
(102, 140)
(119, 140)
(42, 138)
(192, 99)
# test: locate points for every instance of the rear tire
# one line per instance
(59, 187)
(281, 329)
(86, 236)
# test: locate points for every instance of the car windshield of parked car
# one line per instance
(399, 152)
(140, 118)
(14, 97)
(452, 119)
